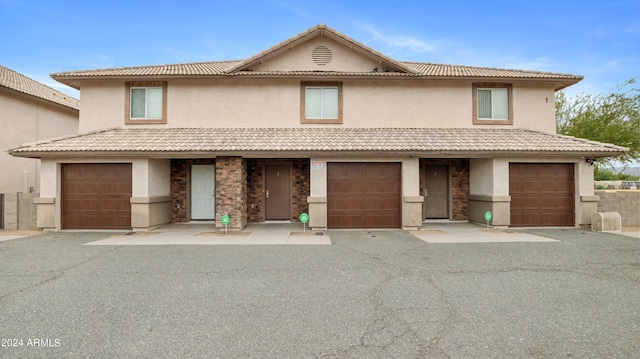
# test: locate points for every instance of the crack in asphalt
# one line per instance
(388, 328)
(444, 324)
(57, 274)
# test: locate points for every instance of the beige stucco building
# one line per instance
(29, 111)
(318, 124)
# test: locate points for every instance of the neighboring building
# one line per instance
(29, 112)
(319, 123)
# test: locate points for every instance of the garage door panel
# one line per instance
(354, 204)
(96, 196)
(541, 194)
(354, 187)
(372, 187)
(392, 204)
(351, 171)
(363, 195)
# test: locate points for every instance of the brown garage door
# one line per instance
(96, 196)
(363, 195)
(542, 194)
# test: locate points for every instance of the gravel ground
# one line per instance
(370, 294)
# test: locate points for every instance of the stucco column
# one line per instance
(586, 200)
(318, 194)
(47, 208)
(411, 198)
(150, 198)
(489, 191)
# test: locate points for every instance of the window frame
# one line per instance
(321, 84)
(481, 121)
(145, 121)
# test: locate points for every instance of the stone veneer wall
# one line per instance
(254, 179)
(301, 180)
(460, 189)
(231, 191)
(459, 170)
(255, 190)
(300, 188)
(180, 186)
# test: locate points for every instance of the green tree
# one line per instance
(612, 117)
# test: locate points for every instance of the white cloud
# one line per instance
(517, 62)
(398, 42)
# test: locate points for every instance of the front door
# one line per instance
(203, 196)
(277, 191)
(436, 194)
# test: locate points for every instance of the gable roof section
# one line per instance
(241, 68)
(20, 83)
(323, 30)
(220, 141)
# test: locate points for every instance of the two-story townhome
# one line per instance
(29, 111)
(321, 124)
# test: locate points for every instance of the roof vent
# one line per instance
(321, 55)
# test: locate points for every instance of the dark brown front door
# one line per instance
(96, 196)
(364, 195)
(436, 194)
(277, 191)
(542, 194)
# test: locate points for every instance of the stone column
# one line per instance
(231, 191)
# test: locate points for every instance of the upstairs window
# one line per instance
(146, 102)
(492, 104)
(321, 102)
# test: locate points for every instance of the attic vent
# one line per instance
(321, 55)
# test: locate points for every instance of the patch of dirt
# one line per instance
(492, 230)
(144, 234)
(427, 231)
(305, 233)
(214, 234)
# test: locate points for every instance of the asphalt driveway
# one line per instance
(369, 294)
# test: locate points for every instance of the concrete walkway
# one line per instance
(281, 233)
(208, 234)
(463, 232)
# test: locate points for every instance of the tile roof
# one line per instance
(185, 141)
(220, 68)
(244, 67)
(15, 81)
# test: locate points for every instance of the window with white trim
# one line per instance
(146, 102)
(492, 104)
(321, 102)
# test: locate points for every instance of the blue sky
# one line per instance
(597, 39)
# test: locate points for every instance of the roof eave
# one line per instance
(25, 153)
